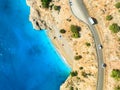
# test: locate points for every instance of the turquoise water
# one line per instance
(28, 61)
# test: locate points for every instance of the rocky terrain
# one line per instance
(54, 20)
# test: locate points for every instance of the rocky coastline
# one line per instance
(53, 21)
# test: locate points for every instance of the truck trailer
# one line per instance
(91, 21)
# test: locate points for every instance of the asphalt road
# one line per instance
(79, 11)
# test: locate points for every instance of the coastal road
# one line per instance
(79, 11)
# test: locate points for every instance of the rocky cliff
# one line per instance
(53, 21)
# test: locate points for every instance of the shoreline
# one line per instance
(60, 50)
(65, 45)
(53, 21)
(57, 50)
(57, 42)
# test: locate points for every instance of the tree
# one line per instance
(81, 68)
(45, 3)
(117, 5)
(84, 74)
(88, 44)
(62, 31)
(114, 28)
(75, 30)
(76, 88)
(117, 88)
(71, 88)
(109, 17)
(74, 73)
(56, 7)
(116, 74)
(76, 35)
(77, 57)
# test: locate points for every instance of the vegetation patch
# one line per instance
(117, 5)
(81, 68)
(78, 57)
(84, 74)
(57, 8)
(115, 28)
(74, 73)
(76, 88)
(109, 17)
(62, 31)
(68, 20)
(71, 88)
(75, 31)
(118, 10)
(88, 44)
(116, 74)
(45, 3)
(117, 88)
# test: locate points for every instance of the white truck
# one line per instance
(91, 20)
(99, 46)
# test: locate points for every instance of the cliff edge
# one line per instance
(79, 53)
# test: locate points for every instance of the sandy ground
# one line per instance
(99, 9)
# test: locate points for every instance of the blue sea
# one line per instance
(28, 60)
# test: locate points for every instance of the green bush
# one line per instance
(81, 68)
(74, 73)
(84, 74)
(75, 30)
(56, 7)
(114, 28)
(118, 10)
(76, 88)
(109, 17)
(62, 31)
(77, 57)
(116, 74)
(88, 44)
(117, 5)
(117, 88)
(45, 3)
(71, 88)
(76, 35)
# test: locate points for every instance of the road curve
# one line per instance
(79, 11)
